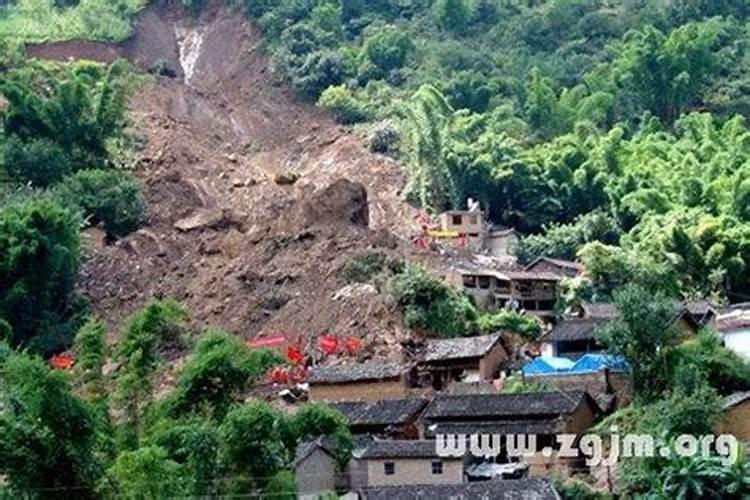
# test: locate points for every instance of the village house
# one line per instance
(532, 292)
(315, 468)
(403, 462)
(470, 359)
(543, 414)
(391, 418)
(735, 416)
(519, 489)
(734, 329)
(462, 222)
(500, 242)
(605, 378)
(370, 381)
(576, 335)
(561, 267)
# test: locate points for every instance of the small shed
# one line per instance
(735, 416)
(315, 468)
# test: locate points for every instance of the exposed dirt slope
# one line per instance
(243, 252)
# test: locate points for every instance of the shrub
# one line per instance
(39, 162)
(385, 139)
(364, 268)
(340, 101)
(527, 326)
(109, 197)
(428, 303)
(388, 49)
(39, 252)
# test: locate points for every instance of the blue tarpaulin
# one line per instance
(546, 366)
(598, 362)
(587, 363)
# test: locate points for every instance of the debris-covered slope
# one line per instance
(256, 200)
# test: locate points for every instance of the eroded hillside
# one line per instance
(226, 235)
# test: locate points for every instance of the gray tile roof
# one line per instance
(305, 449)
(735, 399)
(378, 413)
(511, 489)
(575, 329)
(504, 427)
(501, 407)
(356, 372)
(460, 348)
(399, 448)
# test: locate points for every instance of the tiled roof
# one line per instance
(505, 427)
(735, 399)
(733, 319)
(575, 329)
(385, 412)
(598, 310)
(460, 348)
(504, 406)
(567, 264)
(399, 448)
(305, 449)
(511, 489)
(371, 370)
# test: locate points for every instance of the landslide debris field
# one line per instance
(226, 235)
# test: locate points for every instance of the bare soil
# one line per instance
(243, 252)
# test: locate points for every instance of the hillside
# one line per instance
(241, 251)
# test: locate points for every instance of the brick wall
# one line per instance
(359, 391)
(736, 421)
(414, 471)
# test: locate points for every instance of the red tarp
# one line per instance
(62, 361)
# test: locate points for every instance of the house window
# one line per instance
(473, 220)
(389, 468)
(484, 282)
(457, 220)
(437, 467)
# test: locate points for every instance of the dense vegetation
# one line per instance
(592, 125)
(62, 130)
(61, 438)
(51, 20)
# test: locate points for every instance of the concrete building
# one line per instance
(370, 381)
(463, 222)
(389, 418)
(398, 462)
(470, 359)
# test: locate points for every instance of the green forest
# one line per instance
(610, 132)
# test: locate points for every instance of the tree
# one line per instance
(39, 252)
(315, 420)
(452, 15)
(194, 444)
(282, 486)
(48, 443)
(159, 325)
(253, 439)
(429, 304)
(109, 197)
(90, 347)
(144, 474)
(642, 334)
(217, 374)
(427, 118)
(341, 102)
(388, 49)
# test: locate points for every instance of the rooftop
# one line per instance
(500, 407)
(385, 412)
(503, 427)
(305, 449)
(735, 399)
(460, 348)
(575, 329)
(398, 448)
(512, 489)
(359, 372)
(565, 264)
